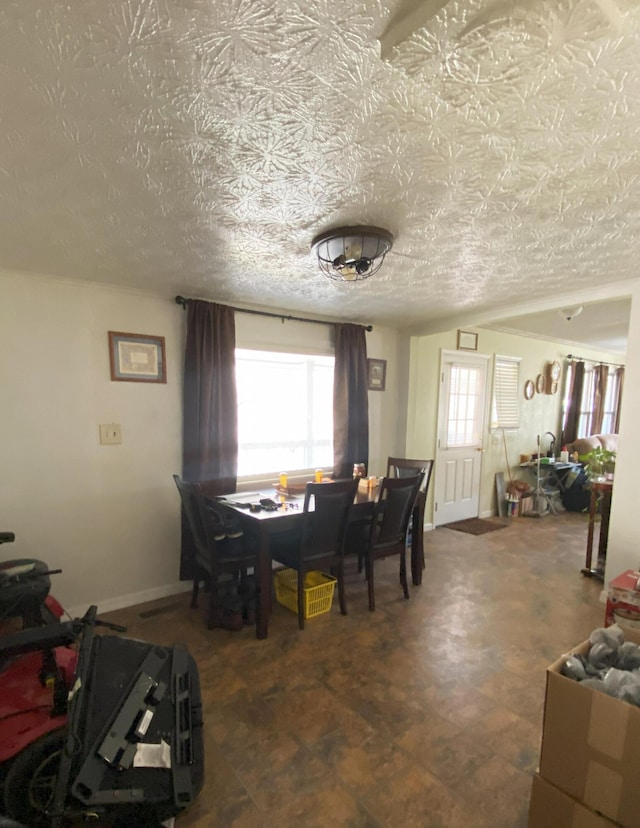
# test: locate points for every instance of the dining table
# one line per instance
(267, 525)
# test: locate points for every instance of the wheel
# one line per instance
(31, 779)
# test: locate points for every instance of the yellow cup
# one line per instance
(319, 474)
(283, 479)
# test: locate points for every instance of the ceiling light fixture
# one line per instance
(570, 313)
(350, 254)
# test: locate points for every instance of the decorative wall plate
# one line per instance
(554, 369)
(529, 390)
(540, 383)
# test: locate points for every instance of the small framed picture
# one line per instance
(137, 357)
(467, 341)
(377, 374)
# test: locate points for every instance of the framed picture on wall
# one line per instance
(377, 374)
(467, 341)
(137, 357)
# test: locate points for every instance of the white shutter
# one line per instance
(506, 399)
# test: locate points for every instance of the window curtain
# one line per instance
(350, 400)
(616, 426)
(600, 376)
(210, 417)
(572, 414)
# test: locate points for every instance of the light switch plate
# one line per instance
(110, 434)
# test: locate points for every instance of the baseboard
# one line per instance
(487, 513)
(429, 527)
(123, 601)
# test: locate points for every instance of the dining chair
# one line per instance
(319, 543)
(403, 467)
(216, 552)
(387, 531)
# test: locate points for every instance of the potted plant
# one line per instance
(599, 463)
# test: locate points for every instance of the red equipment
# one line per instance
(29, 680)
(34, 687)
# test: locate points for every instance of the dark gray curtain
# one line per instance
(600, 375)
(616, 427)
(350, 400)
(572, 415)
(210, 415)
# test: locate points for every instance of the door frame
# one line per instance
(464, 356)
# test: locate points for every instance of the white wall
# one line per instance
(623, 550)
(539, 415)
(108, 515)
(105, 514)
(388, 408)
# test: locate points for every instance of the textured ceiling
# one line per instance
(603, 325)
(197, 146)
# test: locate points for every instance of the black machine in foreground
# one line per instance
(127, 745)
(134, 745)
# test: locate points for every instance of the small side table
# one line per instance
(599, 489)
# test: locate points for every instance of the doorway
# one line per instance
(461, 426)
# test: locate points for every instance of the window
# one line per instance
(506, 399)
(285, 412)
(464, 415)
(611, 398)
(587, 416)
(587, 402)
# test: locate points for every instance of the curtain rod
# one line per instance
(180, 300)
(598, 361)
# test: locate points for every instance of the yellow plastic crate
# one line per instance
(318, 591)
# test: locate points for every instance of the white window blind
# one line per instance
(506, 399)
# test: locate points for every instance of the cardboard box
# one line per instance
(551, 808)
(623, 601)
(591, 745)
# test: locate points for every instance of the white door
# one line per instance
(461, 418)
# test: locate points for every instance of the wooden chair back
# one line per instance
(324, 527)
(406, 467)
(393, 509)
(195, 509)
(320, 544)
(215, 557)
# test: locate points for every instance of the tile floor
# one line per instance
(425, 713)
